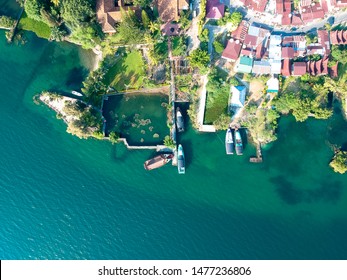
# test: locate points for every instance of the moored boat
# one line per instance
(157, 161)
(238, 143)
(179, 120)
(76, 93)
(181, 164)
(229, 142)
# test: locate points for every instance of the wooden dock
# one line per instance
(259, 157)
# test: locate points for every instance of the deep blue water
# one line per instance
(66, 198)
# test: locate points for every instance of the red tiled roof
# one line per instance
(232, 50)
(338, 37)
(246, 52)
(250, 40)
(285, 70)
(214, 9)
(325, 6)
(299, 68)
(279, 6)
(241, 31)
(296, 19)
(286, 19)
(333, 38)
(314, 50)
(323, 39)
(310, 13)
(259, 52)
(325, 66)
(287, 6)
(287, 52)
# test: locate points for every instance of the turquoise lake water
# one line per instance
(66, 198)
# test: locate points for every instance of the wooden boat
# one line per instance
(157, 161)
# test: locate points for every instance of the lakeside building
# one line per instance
(237, 100)
(108, 13)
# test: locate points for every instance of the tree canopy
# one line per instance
(339, 162)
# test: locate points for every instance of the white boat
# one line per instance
(238, 143)
(179, 120)
(76, 93)
(229, 142)
(181, 164)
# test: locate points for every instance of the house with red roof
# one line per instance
(311, 12)
(286, 66)
(232, 50)
(299, 69)
(324, 41)
(338, 37)
(241, 31)
(288, 52)
(214, 9)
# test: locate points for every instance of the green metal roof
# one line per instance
(245, 60)
(245, 65)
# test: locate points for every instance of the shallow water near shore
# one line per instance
(66, 198)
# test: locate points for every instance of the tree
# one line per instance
(77, 11)
(114, 137)
(218, 47)
(145, 19)
(129, 29)
(223, 122)
(142, 3)
(32, 9)
(199, 58)
(311, 38)
(234, 19)
(339, 162)
(339, 53)
(7, 22)
(57, 34)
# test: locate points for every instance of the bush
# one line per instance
(218, 47)
(114, 137)
(168, 142)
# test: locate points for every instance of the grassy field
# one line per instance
(41, 29)
(217, 108)
(217, 96)
(129, 71)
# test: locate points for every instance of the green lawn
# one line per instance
(129, 70)
(41, 29)
(218, 107)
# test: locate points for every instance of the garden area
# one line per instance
(128, 72)
(218, 92)
(41, 29)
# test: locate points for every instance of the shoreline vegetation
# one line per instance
(138, 56)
